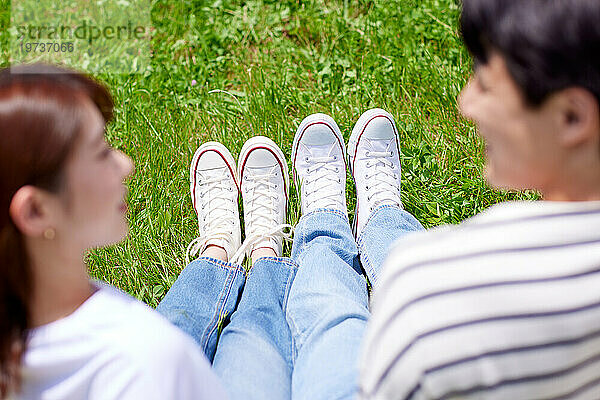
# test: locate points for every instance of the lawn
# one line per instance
(260, 68)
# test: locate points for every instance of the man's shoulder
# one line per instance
(506, 217)
(501, 227)
(467, 288)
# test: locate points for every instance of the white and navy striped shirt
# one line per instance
(505, 305)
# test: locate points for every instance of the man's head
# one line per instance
(535, 93)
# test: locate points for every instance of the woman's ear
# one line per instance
(579, 116)
(29, 210)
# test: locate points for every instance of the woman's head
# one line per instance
(61, 185)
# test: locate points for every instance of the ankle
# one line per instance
(216, 252)
(261, 252)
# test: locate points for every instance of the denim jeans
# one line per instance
(293, 325)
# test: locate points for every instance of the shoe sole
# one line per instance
(223, 152)
(262, 142)
(357, 131)
(313, 119)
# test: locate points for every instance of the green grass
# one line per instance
(280, 61)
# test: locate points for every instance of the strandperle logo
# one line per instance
(84, 31)
(98, 36)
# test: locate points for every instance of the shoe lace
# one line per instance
(261, 215)
(326, 189)
(217, 218)
(382, 183)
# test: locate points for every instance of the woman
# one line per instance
(61, 194)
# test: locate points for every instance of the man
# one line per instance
(506, 305)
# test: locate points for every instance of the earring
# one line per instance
(49, 233)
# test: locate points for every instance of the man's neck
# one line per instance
(577, 178)
(574, 190)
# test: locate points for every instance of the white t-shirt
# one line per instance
(505, 305)
(115, 347)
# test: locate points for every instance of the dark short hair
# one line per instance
(548, 45)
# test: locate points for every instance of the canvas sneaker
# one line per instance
(319, 162)
(264, 184)
(373, 155)
(214, 190)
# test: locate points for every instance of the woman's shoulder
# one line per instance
(135, 323)
(165, 359)
(116, 341)
(115, 322)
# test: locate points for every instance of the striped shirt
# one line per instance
(505, 305)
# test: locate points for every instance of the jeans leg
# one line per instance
(385, 225)
(327, 308)
(205, 293)
(253, 358)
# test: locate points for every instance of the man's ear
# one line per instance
(29, 212)
(579, 116)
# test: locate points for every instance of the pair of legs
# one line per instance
(293, 326)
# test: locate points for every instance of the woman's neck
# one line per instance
(60, 283)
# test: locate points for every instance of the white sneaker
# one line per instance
(319, 162)
(214, 189)
(264, 185)
(373, 153)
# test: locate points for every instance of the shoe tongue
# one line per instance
(262, 170)
(213, 172)
(380, 145)
(321, 150)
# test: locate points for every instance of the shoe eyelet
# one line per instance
(334, 158)
(367, 153)
(367, 187)
(306, 158)
(392, 153)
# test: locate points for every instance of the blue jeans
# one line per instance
(293, 325)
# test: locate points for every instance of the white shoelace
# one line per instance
(382, 184)
(262, 220)
(218, 221)
(327, 192)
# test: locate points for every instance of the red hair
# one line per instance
(41, 116)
